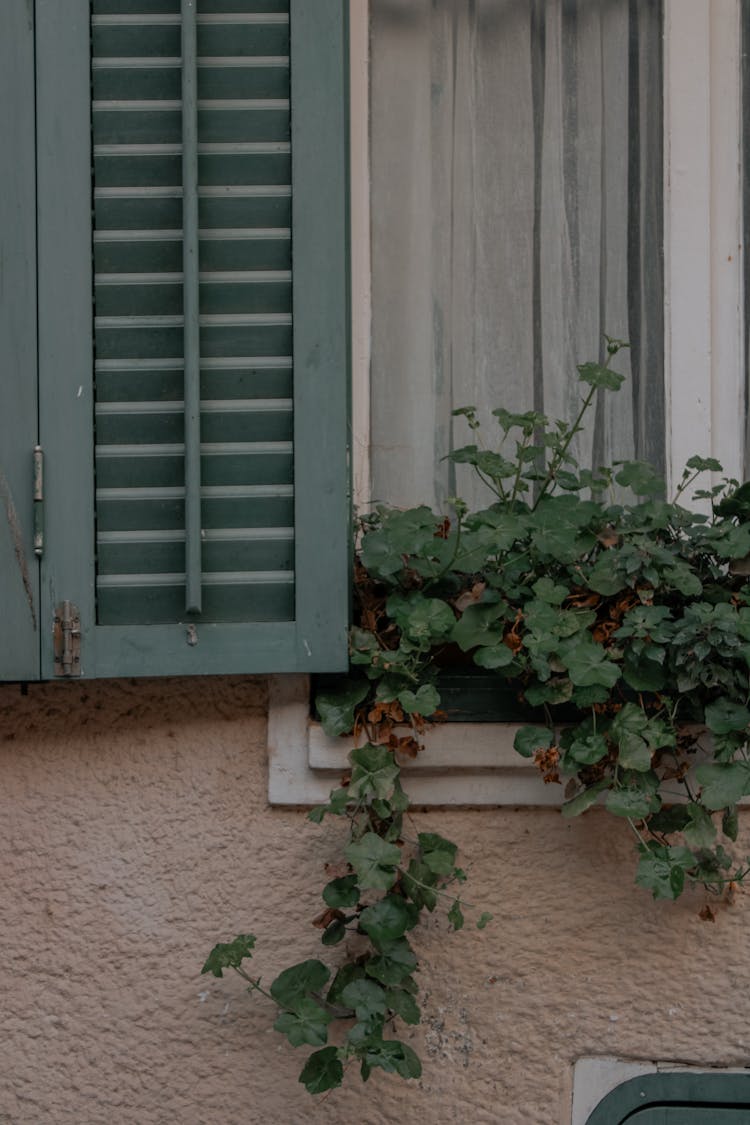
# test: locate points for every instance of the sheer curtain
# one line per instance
(516, 217)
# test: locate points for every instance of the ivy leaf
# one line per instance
(584, 800)
(730, 825)
(417, 883)
(334, 933)
(307, 1023)
(723, 716)
(388, 919)
(374, 861)
(342, 892)
(548, 591)
(455, 915)
(367, 999)
(493, 657)
(424, 701)
(403, 1004)
(588, 666)
(421, 620)
(529, 739)
(587, 751)
(392, 1056)
(229, 955)
(596, 375)
(336, 707)
(724, 783)
(322, 1071)
(479, 625)
(636, 800)
(345, 975)
(395, 961)
(296, 982)
(700, 831)
(438, 854)
(641, 477)
(643, 673)
(374, 773)
(704, 464)
(661, 869)
(483, 919)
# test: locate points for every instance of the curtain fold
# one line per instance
(516, 217)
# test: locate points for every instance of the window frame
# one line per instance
(704, 339)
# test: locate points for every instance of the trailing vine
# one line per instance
(623, 631)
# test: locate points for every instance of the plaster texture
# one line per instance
(136, 833)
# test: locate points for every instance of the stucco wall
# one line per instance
(136, 833)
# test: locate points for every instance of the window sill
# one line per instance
(466, 764)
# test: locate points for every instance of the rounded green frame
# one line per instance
(677, 1089)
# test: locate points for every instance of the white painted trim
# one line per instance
(702, 234)
(594, 1078)
(462, 763)
(359, 129)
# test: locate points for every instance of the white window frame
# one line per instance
(474, 763)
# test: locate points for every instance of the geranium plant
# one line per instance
(621, 626)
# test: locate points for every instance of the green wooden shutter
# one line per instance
(196, 507)
(677, 1098)
(19, 578)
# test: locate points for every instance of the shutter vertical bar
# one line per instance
(193, 565)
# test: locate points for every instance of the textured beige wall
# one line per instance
(136, 833)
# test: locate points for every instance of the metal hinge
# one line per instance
(67, 640)
(38, 501)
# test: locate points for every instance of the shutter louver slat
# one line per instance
(244, 214)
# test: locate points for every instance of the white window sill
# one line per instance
(462, 763)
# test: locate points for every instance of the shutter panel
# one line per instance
(676, 1097)
(205, 472)
(19, 589)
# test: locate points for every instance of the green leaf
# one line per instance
(661, 869)
(374, 772)
(493, 657)
(643, 673)
(641, 477)
(700, 831)
(724, 716)
(724, 783)
(529, 739)
(294, 983)
(336, 708)
(308, 1023)
(548, 591)
(587, 751)
(587, 664)
(229, 955)
(392, 1056)
(455, 915)
(403, 1004)
(367, 999)
(730, 825)
(342, 892)
(480, 625)
(388, 919)
(417, 883)
(437, 853)
(424, 701)
(346, 974)
(422, 620)
(374, 861)
(483, 919)
(633, 801)
(396, 961)
(704, 464)
(334, 933)
(584, 800)
(322, 1071)
(596, 375)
